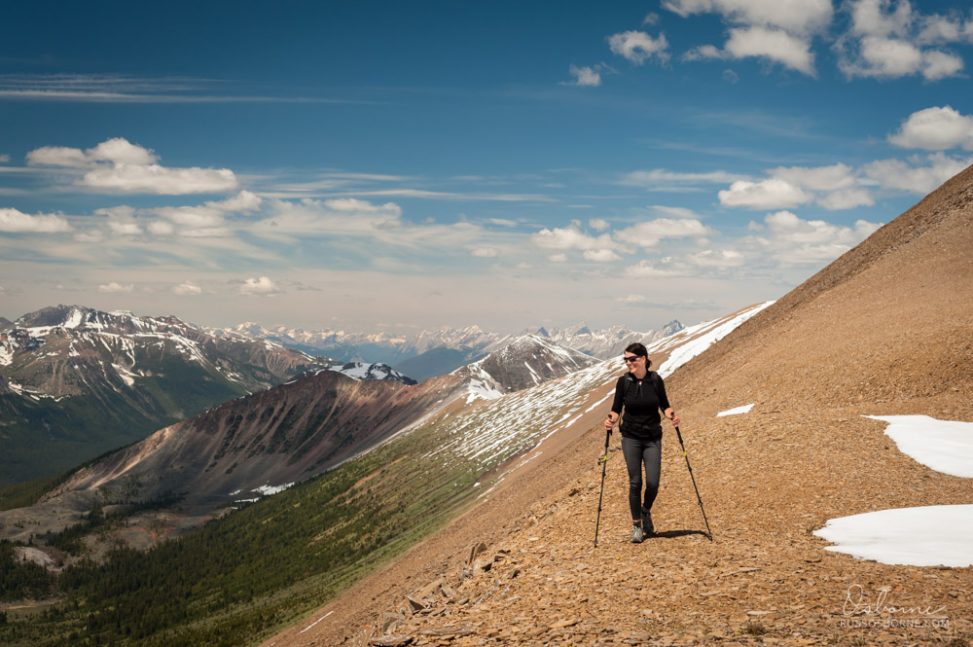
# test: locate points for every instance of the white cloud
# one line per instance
(121, 220)
(118, 166)
(485, 252)
(777, 30)
(637, 46)
(817, 178)
(598, 224)
(91, 236)
(115, 288)
(128, 178)
(833, 187)
(768, 194)
(188, 288)
(846, 199)
(4, 158)
(17, 222)
(651, 232)
(916, 175)
(936, 128)
(260, 286)
(774, 44)
(191, 217)
(873, 18)
(125, 228)
(57, 156)
(558, 258)
(242, 202)
(161, 228)
(793, 240)
(335, 218)
(720, 259)
(795, 16)
(351, 205)
(601, 255)
(587, 76)
(207, 220)
(938, 29)
(566, 238)
(888, 40)
(119, 151)
(704, 52)
(645, 270)
(938, 65)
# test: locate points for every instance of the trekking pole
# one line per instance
(709, 533)
(604, 464)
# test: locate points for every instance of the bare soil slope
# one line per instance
(885, 329)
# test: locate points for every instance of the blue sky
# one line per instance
(406, 165)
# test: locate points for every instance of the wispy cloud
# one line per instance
(95, 88)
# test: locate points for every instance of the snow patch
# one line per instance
(937, 535)
(700, 337)
(268, 490)
(126, 375)
(74, 319)
(943, 445)
(735, 411)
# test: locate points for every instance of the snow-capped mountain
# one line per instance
(520, 362)
(64, 351)
(608, 342)
(297, 430)
(377, 371)
(76, 382)
(436, 352)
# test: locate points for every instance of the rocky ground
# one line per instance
(763, 579)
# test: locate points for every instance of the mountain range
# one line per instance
(76, 382)
(434, 352)
(273, 438)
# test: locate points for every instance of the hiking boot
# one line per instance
(637, 535)
(647, 528)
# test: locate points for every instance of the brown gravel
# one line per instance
(887, 329)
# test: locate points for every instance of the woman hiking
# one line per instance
(641, 393)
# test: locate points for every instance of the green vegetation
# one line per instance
(41, 438)
(27, 493)
(238, 578)
(22, 580)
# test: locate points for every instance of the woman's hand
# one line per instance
(671, 415)
(610, 422)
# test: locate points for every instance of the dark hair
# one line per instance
(641, 351)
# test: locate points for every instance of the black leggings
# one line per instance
(637, 452)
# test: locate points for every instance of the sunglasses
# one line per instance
(631, 358)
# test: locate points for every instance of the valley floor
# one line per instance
(768, 479)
